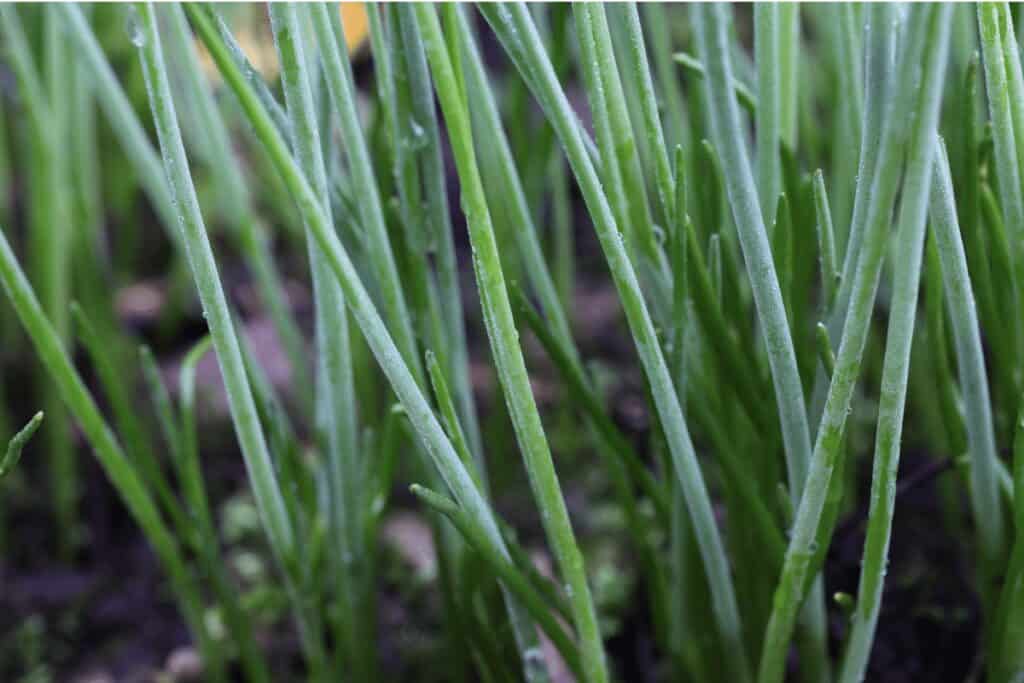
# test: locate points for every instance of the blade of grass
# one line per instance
(925, 44)
(123, 120)
(830, 276)
(507, 353)
(190, 479)
(640, 71)
(266, 487)
(338, 71)
(436, 219)
(235, 202)
(49, 239)
(123, 476)
(335, 392)
(757, 252)
(512, 22)
(431, 435)
(767, 45)
(712, 38)
(981, 441)
(618, 148)
(892, 401)
(789, 68)
(881, 38)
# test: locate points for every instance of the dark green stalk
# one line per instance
(49, 243)
(119, 470)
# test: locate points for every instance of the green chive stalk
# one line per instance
(895, 373)
(618, 148)
(50, 214)
(429, 431)
(336, 409)
(340, 85)
(266, 488)
(125, 478)
(995, 30)
(767, 43)
(508, 355)
(925, 43)
(515, 29)
(17, 443)
(419, 166)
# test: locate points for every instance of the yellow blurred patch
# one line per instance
(257, 42)
(356, 23)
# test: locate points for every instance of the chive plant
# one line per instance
(768, 229)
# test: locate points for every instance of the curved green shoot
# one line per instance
(17, 444)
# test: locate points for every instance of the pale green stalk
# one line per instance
(201, 259)
(1004, 85)
(506, 188)
(925, 44)
(618, 148)
(826, 241)
(789, 72)
(437, 210)
(983, 481)
(881, 35)
(429, 431)
(907, 258)
(338, 72)
(766, 48)
(1005, 132)
(640, 71)
(425, 201)
(190, 479)
(123, 120)
(335, 392)
(508, 355)
(512, 22)
(850, 63)
(505, 191)
(235, 203)
(49, 237)
(266, 489)
(728, 130)
(981, 442)
(677, 126)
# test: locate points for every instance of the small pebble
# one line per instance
(184, 664)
